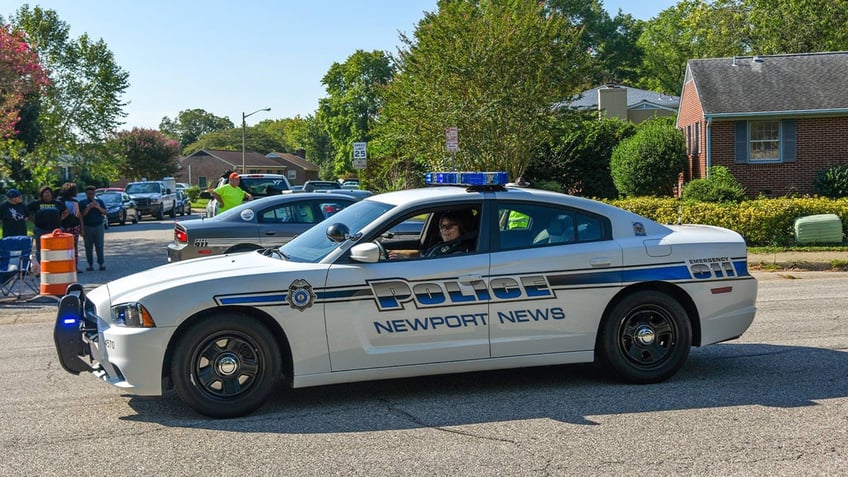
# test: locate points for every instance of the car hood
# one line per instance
(200, 280)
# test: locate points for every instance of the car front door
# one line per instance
(408, 312)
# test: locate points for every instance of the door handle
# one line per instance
(469, 279)
(270, 232)
(600, 262)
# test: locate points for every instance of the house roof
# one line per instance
(295, 160)
(232, 159)
(636, 99)
(810, 83)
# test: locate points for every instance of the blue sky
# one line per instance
(232, 57)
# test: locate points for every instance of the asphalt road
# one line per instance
(774, 402)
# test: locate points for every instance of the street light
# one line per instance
(243, 127)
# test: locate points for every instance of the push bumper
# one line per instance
(74, 332)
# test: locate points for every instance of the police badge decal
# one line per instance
(300, 295)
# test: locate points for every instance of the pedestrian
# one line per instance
(230, 195)
(13, 212)
(93, 213)
(72, 223)
(46, 213)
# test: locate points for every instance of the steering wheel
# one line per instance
(383, 254)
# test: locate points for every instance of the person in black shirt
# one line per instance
(93, 213)
(72, 223)
(47, 214)
(13, 213)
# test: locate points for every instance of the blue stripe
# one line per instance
(678, 272)
(241, 300)
(741, 268)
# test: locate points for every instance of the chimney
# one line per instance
(612, 101)
(301, 153)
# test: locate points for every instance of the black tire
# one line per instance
(243, 248)
(226, 365)
(645, 338)
(135, 218)
(173, 212)
(123, 219)
(160, 214)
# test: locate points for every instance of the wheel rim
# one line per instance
(647, 336)
(227, 365)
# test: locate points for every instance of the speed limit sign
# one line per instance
(360, 155)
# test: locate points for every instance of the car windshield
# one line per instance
(262, 185)
(148, 188)
(110, 199)
(313, 245)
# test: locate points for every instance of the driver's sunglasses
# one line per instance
(446, 226)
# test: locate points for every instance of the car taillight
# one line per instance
(329, 210)
(180, 236)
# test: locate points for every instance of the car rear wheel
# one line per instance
(226, 365)
(160, 213)
(645, 338)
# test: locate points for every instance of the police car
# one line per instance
(545, 279)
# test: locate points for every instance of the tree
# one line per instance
(577, 154)
(190, 124)
(145, 153)
(491, 68)
(255, 139)
(307, 134)
(21, 77)
(648, 163)
(354, 98)
(82, 105)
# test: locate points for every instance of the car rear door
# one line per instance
(557, 268)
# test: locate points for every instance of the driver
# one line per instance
(456, 232)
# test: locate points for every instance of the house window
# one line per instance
(696, 146)
(202, 182)
(765, 141)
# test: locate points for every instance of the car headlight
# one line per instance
(154, 200)
(132, 315)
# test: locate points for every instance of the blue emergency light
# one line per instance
(499, 178)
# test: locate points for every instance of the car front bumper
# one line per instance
(128, 358)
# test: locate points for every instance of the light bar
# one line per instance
(466, 178)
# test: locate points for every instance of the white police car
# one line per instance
(542, 279)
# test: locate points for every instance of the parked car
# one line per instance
(310, 186)
(183, 203)
(261, 223)
(576, 281)
(351, 184)
(154, 198)
(120, 207)
(257, 185)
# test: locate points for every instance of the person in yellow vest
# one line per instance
(230, 194)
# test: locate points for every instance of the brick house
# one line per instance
(202, 168)
(298, 169)
(623, 102)
(774, 121)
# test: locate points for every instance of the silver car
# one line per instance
(261, 223)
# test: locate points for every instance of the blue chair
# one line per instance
(16, 265)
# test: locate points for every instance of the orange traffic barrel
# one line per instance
(58, 263)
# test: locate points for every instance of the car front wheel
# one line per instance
(226, 365)
(645, 338)
(123, 220)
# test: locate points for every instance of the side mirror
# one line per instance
(368, 252)
(205, 195)
(338, 232)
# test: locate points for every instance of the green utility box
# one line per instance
(822, 228)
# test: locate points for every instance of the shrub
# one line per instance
(832, 182)
(649, 162)
(718, 186)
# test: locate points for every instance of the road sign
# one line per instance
(452, 139)
(360, 151)
(360, 155)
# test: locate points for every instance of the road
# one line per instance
(774, 402)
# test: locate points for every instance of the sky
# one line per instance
(234, 57)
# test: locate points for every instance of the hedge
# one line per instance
(763, 222)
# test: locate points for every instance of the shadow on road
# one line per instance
(723, 375)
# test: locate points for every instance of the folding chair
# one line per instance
(16, 265)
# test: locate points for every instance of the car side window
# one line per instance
(529, 226)
(297, 213)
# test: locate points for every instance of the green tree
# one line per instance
(577, 154)
(21, 77)
(190, 124)
(255, 140)
(792, 26)
(354, 99)
(648, 163)
(307, 134)
(82, 105)
(491, 68)
(145, 153)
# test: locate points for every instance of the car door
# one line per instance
(562, 267)
(407, 312)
